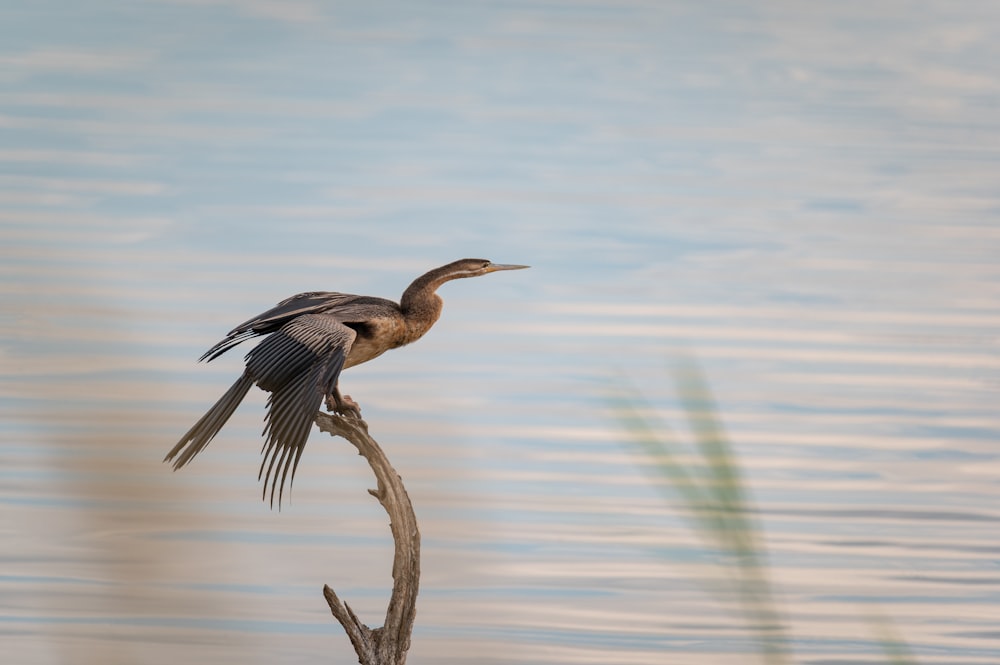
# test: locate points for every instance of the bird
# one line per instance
(312, 337)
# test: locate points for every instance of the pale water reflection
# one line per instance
(804, 198)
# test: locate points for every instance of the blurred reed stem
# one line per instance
(716, 503)
(714, 498)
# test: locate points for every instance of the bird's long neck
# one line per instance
(420, 305)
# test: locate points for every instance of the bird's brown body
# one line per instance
(380, 335)
(312, 338)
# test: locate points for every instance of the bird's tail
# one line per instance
(205, 429)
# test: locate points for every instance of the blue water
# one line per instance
(800, 199)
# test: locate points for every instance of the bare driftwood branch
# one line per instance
(386, 645)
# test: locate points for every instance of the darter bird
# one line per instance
(312, 338)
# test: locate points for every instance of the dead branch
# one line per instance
(386, 645)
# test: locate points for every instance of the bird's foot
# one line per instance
(343, 405)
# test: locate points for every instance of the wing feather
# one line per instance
(342, 306)
(203, 431)
(299, 365)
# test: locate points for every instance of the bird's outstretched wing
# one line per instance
(203, 431)
(299, 365)
(285, 311)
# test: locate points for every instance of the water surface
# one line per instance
(803, 199)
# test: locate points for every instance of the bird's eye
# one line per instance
(486, 264)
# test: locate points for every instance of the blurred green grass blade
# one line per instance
(629, 406)
(716, 501)
(735, 525)
(714, 497)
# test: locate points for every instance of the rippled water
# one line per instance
(803, 199)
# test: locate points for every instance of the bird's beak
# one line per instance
(504, 266)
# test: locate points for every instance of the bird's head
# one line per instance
(422, 289)
(475, 267)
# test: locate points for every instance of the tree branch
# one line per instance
(386, 645)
